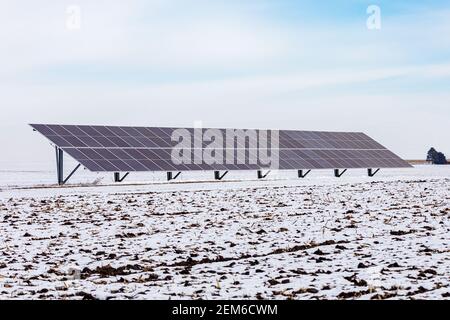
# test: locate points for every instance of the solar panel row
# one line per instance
(126, 149)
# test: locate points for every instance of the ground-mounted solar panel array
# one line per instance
(134, 149)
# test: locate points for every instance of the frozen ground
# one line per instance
(314, 238)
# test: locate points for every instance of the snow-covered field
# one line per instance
(314, 238)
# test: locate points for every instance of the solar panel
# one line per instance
(135, 149)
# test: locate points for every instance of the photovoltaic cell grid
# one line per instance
(133, 149)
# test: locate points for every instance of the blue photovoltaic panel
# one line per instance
(130, 149)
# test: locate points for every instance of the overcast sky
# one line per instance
(279, 64)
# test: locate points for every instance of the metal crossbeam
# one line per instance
(117, 177)
(171, 177)
(338, 174)
(303, 175)
(261, 175)
(219, 177)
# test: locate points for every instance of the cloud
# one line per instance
(203, 37)
(115, 34)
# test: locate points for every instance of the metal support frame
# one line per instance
(117, 177)
(171, 177)
(303, 175)
(219, 177)
(60, 167)
(372, 173)
(338, 174)
(261, 175)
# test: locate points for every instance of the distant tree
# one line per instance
(436, 157)
(431, 154)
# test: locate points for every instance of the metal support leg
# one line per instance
(219, 177)
(303, 175)
(60, 167)
(372, 173)
(171, 177)
(117, 177)
(261, 175)
(338, 174)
